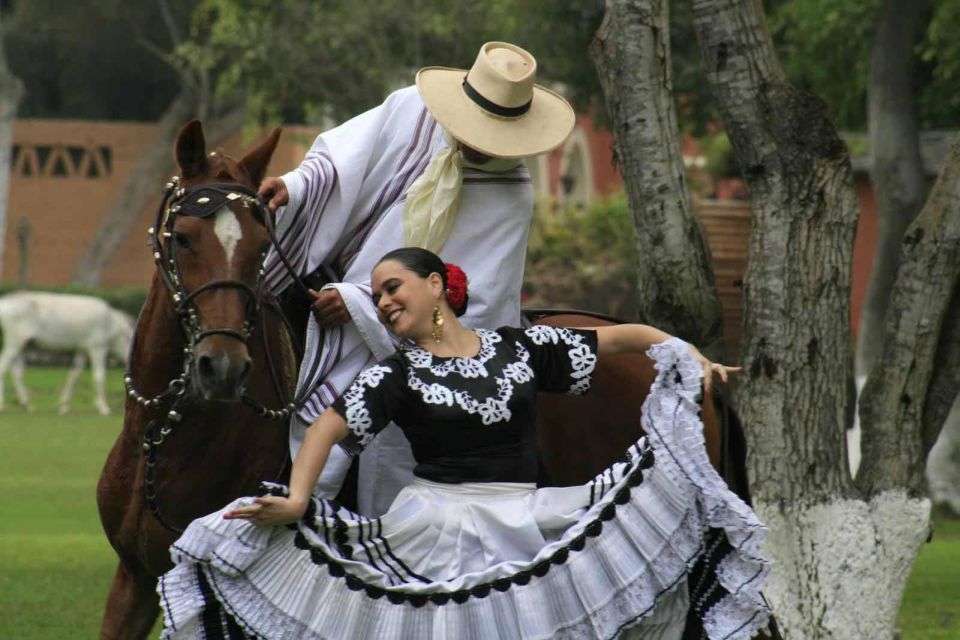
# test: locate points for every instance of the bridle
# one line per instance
(202, 201)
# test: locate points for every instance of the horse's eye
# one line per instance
(181, 241)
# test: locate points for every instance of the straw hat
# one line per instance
(495, 107)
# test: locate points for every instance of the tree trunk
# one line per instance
(841, 560)
(146, 180)
(913, 384)
(11, 92)
(897, 170)
(676, 291)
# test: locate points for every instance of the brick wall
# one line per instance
(64, 178)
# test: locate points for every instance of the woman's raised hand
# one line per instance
(269, 510)
(712, 368)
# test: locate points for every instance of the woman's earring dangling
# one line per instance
(437, 323)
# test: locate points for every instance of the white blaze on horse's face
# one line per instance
(227, 228)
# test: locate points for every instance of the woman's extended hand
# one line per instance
(711, 368)
(269, 510)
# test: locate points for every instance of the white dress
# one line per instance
(652, 546)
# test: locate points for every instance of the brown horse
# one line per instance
(580, 436)
(192, 438)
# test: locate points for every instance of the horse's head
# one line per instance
(214, 243)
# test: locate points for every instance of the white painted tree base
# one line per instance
(840, 568)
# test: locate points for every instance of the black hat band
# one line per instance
(493, 107)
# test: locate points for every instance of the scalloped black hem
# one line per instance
(336, 569)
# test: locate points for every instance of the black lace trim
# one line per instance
(538, 570)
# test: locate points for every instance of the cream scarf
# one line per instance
(434, 197)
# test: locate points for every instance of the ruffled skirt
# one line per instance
(652, 545)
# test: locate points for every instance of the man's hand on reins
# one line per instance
(274, 192)
(328, 308)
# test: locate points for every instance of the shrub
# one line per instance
(583, 258)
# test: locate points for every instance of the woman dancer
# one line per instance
(472, 549)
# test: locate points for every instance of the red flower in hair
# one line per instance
(456, 286)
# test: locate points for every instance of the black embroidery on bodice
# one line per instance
(470, 419)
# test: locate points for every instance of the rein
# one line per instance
(202, 201)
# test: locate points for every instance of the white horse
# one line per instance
(84, 325)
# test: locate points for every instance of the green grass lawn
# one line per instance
(55, 562)
(56, 565)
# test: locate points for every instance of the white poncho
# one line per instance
(345, 212)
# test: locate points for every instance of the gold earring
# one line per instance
(437, 324)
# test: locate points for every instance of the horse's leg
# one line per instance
(79, 362)
(11, 350)
(132, 607)
(16, 372)
(98, 364)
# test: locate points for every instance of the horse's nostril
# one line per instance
(245, 371)
(205, 368)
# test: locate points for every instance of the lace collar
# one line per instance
(466, 366)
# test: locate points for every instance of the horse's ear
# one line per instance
(191, 150)
(255, 162)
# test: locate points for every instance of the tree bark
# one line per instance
(914, 382)
(146, 180)
(796, 288)
(676, 291)
(841, 558)
(11, 93)
(896, 174)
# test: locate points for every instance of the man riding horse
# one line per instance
(439, 166)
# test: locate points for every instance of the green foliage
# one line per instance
(301, 60)
(583, 258)
(939, 102)
(718, 152)
(559, 33)
(825, 46)
(88, 59)
(126, 299)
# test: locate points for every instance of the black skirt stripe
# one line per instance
(210, 618)
(234, 632)
(363, 543)
(323, 520)
(379, 544)
(406, 569)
